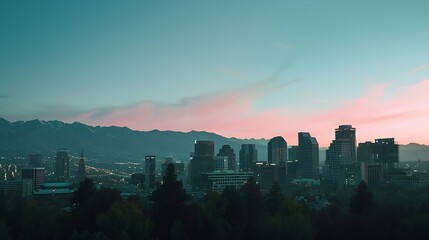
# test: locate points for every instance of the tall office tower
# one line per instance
(35, 160)
(365, 152)
(293, 153)
(32, 179)
(81, 169)
(220, 163)
(384, 151)
(308, 156)
(277, 151)
(347, 132)
(62, 165)
(227, 151)
(149, 167)
(341, 154)
(292, 163)
(339, 159)
(248, 156)
(201, 162)
(387, 153)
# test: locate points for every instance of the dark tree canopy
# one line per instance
(362, 201)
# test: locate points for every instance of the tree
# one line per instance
(234, 211)
(252, 209)
(275, 198)
(362, 201)
(87, 203)
(170, 203)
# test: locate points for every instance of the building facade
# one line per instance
(227, 151)
(277, 150)
(81, 169)
(248, 156)
(62, 165)
(201, 162)
(308, 156)
(150, 171)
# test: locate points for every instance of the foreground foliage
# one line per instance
(245, 213)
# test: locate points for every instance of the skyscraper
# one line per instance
(384, 151)
(277, 150)
(341, 155)
(62, 165)
(227, 151)
(292, 163)
(365, 152)
(220, 163)
(201, 162)
(150, 171)
(308, 156)
(81, 169)
(387, 153)
(347, 132)
(248, 156)
(32, 179)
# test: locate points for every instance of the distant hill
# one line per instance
(414, 152)
(47, 136)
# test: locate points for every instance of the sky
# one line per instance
(247, 69)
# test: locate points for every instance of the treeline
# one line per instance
(246, 213)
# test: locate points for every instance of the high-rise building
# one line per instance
(227, 151)
(248, 156)
(150, 171)
(347, 132)
(308, 156)
(384, 151)
(268, 173)
(81, 169)
(292, 163)
(371, 173)
(293, 153)
(365, 152)
(339, 159)
(387, 153)
(35, 160)
(220, 163)
(277, 150)
(32, 179)
(341, 154)
(201, 162)
(62, 165)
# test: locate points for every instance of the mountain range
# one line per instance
(48, 136)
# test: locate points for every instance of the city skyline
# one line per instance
(247, 70)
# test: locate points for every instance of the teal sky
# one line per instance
(89, 60)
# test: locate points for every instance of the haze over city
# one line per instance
(240, 69)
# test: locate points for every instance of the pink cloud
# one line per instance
(376, 114)
(420, 68)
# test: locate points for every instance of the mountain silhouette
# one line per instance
(47, 136)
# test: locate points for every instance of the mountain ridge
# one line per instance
(47, 136)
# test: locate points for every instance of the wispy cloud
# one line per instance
(420, 68)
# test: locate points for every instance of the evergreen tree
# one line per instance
(170, 203)
(275, 198)
(362, 201)
(252, 209)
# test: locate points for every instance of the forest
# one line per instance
(245, 213)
